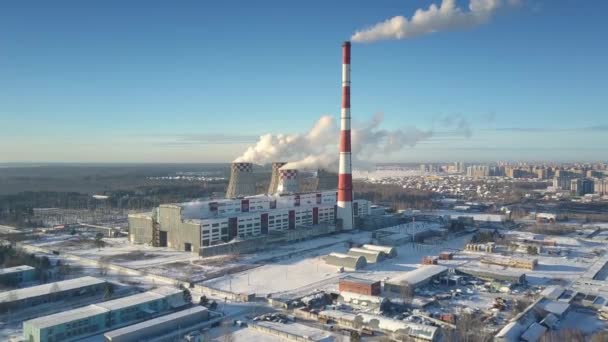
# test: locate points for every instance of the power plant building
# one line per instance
(195, 225)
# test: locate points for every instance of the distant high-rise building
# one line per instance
(478, 171)
(581, 186)
(601, 186)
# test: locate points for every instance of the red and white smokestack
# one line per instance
(345, 178)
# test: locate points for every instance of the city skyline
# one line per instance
(151, 82)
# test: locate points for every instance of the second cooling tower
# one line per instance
(274, 179)
(288, 181)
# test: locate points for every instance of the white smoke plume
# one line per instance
(445, 17)
(318, 148)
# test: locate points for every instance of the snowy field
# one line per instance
(305, 273)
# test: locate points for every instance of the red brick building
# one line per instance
(360, 286)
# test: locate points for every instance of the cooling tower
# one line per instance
(241, 182)
(345, 178)
(326, 180)
(274, 179)
(288, 181)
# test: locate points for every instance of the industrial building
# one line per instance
(369, 302)
(345, 261)
(17, 275)
(512, 276)
(371, 257)
(525, 263)
(51, 292)
(360, 286)
(97, 318)
(416, 278)
(196, 225)
(390, 252)
(159, 326)
(401, 329)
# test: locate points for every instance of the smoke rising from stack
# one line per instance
(316, 148)
(445, 17)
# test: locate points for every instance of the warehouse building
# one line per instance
(360, 286)
(162, 325)
(97, 318)
(196, 225)
(511, 276)
(51, 292)
(17, 275)
(345, 261)
(390, 252)
(371, 257)
(416, 278)
(403, 330)
(370, 302)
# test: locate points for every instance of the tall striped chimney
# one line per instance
(345, 178)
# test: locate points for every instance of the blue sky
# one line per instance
(198, 81)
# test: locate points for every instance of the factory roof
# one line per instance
(15, 269)
(346, 261)
(66, 316)
(359, 280)
(553, 292)
(510, 332)
(350, 297)
(421, 331)
(158, 320)
(557, 308)
(418, 275)
(100, 308)
(389, 251)
(45, 289)
(370, 256)
(533, 333)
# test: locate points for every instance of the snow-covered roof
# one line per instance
(557, 308)
(553, 292)
(15, 269)
(196, 310)
(418, 275)
(359, 280)
(139, 298)
(533, 333)
(45, 289)
(346, 261)
(350, 297)
(390, 251)
(308, 333)
(66, 316)
(100, 308)
(370, 256)
(510, 332)
(422, 331)
(550, 321)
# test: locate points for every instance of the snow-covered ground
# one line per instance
(307, 272)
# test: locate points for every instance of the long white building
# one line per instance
(195, 225)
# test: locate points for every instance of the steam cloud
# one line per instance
(446, 17)
(318, 148)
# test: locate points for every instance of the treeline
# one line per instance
(10, 257)
(17, 209)
(394, 196)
